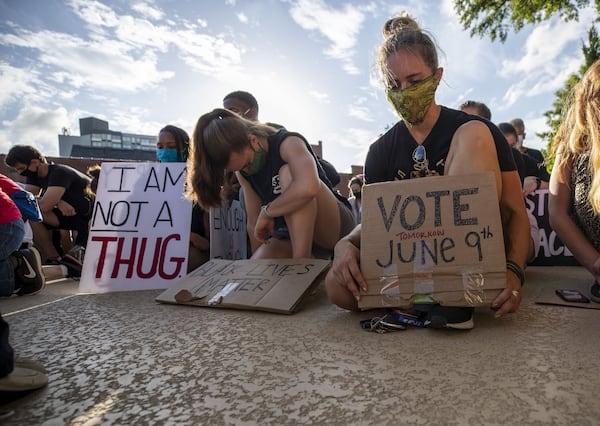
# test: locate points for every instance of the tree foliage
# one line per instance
(496, 18)
(591, 53)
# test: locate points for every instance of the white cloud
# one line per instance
(320, 96)
(355, 144)
(103, 65)
(242, 17)
(340, 27)
(550, 55)
(545, 44)
(127, 59)
(95, 13)
(360, 109)
(148, 11)
(14, 84)
(210, 55)
(34, 126)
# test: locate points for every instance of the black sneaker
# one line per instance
(595, 292)
(29, 278)
(73, 265)
(459, 318)
(409, 316)
(78, 253)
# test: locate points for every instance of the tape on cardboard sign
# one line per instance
(473, 282)
(218, 298)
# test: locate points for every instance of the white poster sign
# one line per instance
(228, 238)
(140, 228)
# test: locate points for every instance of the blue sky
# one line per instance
(143, 64)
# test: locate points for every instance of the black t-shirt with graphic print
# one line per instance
(391, 156)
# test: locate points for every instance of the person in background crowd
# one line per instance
(20, 269)
(20, 273)
(355, 186)
(574, 195)
(536, 154)
(476, 108)
(66, 201)
(482, 110)
(94, 173)
(289, 202)
(173, 146)
(433, 140)
(245, 104)
(536, 176)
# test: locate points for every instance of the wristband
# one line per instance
(263, 209)
(513, 266)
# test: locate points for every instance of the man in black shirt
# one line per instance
(64, 195)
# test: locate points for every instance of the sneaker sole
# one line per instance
(23, 379)
(31, 364)
(40, 272)
(440, 322)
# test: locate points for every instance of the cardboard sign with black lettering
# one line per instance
(140, 228)
(438, 238)
(272, 285)
(228, 236)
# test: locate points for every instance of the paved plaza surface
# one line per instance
(122, 358)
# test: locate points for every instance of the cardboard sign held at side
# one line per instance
(272, 285)
(438, 236)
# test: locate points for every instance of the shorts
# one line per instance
(76, 223)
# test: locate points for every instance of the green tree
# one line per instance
(591, 53)
(496, 18)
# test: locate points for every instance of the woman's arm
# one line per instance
(253, 203)
(305, 182)
(344, 279)
(559, 208)
(474, 150)
(517, 235)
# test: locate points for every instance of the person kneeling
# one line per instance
(289, 202)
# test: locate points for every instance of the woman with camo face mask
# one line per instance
(431, 140)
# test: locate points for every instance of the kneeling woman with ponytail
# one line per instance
(290, 203)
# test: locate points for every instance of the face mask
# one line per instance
(356, 195)
(259, 160)
(167, 155)
(28, 173)
(413, 103)
(520, 140)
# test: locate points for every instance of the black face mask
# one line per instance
(356, 194)
(28, 173)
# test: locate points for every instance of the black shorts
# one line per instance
(77, 223)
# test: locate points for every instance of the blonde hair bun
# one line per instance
(399, 24)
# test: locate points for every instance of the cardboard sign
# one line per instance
(140, 228)
(228, 237)
(273, 285)
(552, 251)
(438, 236)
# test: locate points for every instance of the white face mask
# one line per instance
(520, 141)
